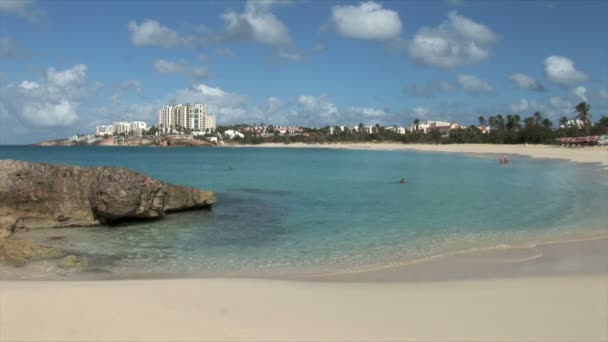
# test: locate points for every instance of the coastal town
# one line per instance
(193, 125)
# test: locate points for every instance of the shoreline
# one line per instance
(593, 155)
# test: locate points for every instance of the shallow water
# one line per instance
(285, 211)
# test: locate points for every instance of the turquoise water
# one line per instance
(284, 211)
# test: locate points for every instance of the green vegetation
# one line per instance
(503, 129)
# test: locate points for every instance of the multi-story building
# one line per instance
(138, 126)
(104, 130)
(121, 127)
(186, 116)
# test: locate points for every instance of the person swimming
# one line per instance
(402, 181)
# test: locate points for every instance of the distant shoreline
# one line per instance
(595, 154)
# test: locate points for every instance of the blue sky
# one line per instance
(68, 66)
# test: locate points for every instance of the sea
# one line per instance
(287, 211)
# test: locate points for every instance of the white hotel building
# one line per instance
(120, 127)
(186, 116)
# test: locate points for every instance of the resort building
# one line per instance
(186, 116)
(121, 127)
(428, 125)
(138, 126)
(104, 130)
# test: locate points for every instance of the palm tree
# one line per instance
(563, 121)
(583, 113)
(482, 120)
(416, 125)
(538, 118)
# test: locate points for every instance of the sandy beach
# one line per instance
(530, 309)
(552, 292)
(595, 154)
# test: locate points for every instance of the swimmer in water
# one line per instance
(402, 181)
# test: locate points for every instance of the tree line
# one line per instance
(503, 129)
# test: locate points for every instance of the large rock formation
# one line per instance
(36, 195)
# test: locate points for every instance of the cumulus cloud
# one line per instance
(524, 81)
(457, 41)
(430, 89)
(166, 67)
(67, 78)
(256, 23)
(152, 33)
(474, 85)
(581, 93)
(228, 106)
(53, 102)
(561, 70)
(23, 8)
(368, 21)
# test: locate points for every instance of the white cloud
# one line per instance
(581, 93)
(474, 85)
(152, 33)
(526, 82)
(67, 78)
(47, 114)
(166, 67)
(457, 41)
(24, 8)
(229, 107)
(53, 102)
(256, 23)
(562, 71)
(369, 21)
(27, 85)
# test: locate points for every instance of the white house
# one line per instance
(231, 134)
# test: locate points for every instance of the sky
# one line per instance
(68, 66)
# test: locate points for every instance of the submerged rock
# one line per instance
(34, 195)
(74, 263)
(19, 252)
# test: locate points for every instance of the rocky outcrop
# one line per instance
(74, 263)
(34, 195)
(19, 252)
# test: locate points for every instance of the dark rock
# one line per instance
(34, 195)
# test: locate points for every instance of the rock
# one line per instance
(74, 263)
(34, 195)
(18, 252)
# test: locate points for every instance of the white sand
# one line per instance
(594, 154)
(518, 309)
